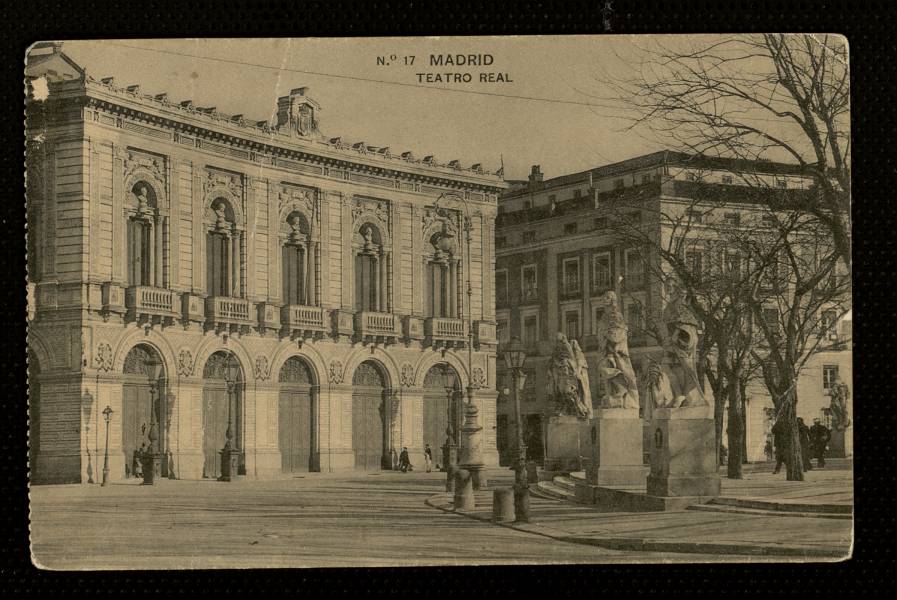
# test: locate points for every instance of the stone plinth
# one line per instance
(562, 444)
(683, 453)
(464, 499)
(503, 505)
(840, 446)
(615, 448)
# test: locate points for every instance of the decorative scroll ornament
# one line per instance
(478, 377)
(407, 375)
(262, 371)
(379, 208)
(336, 371)
(104, 357)
(185, 363)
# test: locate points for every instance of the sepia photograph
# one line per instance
(439, 301)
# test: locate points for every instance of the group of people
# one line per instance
(403, 463)
(813, 442)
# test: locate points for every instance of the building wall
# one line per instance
(98, 141)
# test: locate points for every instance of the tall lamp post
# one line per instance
(515, 358)
(107, 416)
(230, 454)
(470, 452)
(450, 449)
(152, 459)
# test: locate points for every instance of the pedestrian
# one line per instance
(781, 434)
(804, 435)
(404, 461)
(768, 450)
(137, 464)
(428, 458)
(819, 438)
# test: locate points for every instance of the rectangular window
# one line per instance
(571, 276)
(635, 270)
(138, 253)
(829, 374)
(365, 283)
(634, 320)
(501, 286)
(571, 325)
(827, 324)
(218, 264)
(528, 237)
(530, 285)
(570, 228)
(531, 330)
(601, 274)
(618, 184)
(438, 290)
(695, 261)
(293, 275)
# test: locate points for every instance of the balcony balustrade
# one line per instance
(377, 327)
(146, 304)
(444, 332)
(235, 314)
(302, 322)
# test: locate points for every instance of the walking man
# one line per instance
(819, 438)
(404, 461)
(428, 458)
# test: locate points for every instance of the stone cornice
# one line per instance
(264, 145)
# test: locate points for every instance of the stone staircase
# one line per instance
(783, 508)
(560, 487)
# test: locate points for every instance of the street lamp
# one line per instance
(107, 416)
(230, 455)
(515, 358)
(450, 449)
(151, 461)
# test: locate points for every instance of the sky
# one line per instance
(564, 130)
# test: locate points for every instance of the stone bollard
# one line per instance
(532, 472)
(450, 472)
(463, 490)
(503, 505)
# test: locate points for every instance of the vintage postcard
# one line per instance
(439, 301)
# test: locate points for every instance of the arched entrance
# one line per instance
(219, 407)
(369, 388)
(143, 414)
(296, 417)
(33, 412)
(441, 409)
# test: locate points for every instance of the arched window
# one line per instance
(223, 252)
(143, 253)
(370, 270)
(442, 271)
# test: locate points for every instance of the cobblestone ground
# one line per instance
(312, 521)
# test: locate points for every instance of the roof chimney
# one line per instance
(535, 176)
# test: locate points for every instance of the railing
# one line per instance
(442, 327)
(376, 323)
(298, 317)
(229, 310)
(150, 300)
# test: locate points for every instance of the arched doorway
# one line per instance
(441, 408)
(142, 417)
(369, 389)
(33, 412)
(219, 407)
(296, 417)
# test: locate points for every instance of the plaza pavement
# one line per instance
(316, 520)
(764, 516)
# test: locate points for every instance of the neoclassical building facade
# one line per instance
(334, 274)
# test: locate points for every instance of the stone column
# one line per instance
(151, 255)
(387, 289)
(157, 252)
(166, 256)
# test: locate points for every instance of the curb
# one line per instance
(443, 502)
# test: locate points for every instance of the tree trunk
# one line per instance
(736, 428)
(719, 403)
(794, 458)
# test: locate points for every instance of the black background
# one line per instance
(869, 27)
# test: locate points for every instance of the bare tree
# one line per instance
(755, 97)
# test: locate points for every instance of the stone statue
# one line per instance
(840, 394)
(367, 232)
(568, 380)
(295, 223)
(220, 210)
(143, 206)
(615, 367)
(674, 382)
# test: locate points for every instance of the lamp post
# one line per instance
(450, 449)
(515, 358)
(107, 416)
(470, 451)
(230, 455)
(152, 458)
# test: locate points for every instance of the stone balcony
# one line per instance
(151, 305)
(302, 322)
(224, 313)
(377, 327)
(441, 332)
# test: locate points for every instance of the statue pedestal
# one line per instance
(683, 453)
(840, 445)
(562, 444)
(615, 445)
